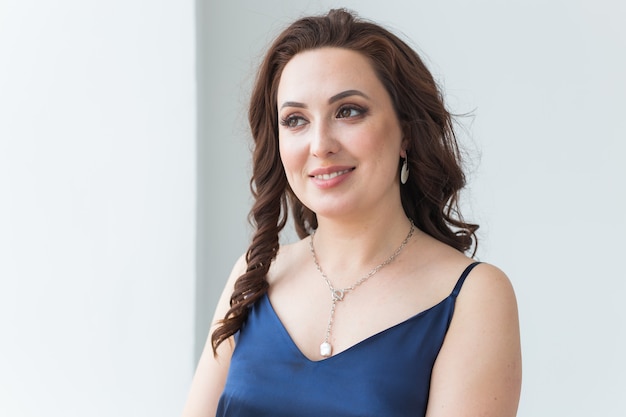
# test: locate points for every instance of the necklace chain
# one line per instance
(338, 294)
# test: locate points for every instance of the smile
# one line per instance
(331, 175)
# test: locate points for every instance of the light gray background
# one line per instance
(97, 207)
(545, 83)
(124, 170)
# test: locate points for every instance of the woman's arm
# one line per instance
(210, 376)
(479, 369)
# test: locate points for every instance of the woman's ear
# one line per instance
(403, 147)
(404, 143)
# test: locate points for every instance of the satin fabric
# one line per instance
(387, 374)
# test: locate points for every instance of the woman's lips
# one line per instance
(330, 176)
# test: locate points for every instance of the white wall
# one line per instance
(97, 207)
(546, 82)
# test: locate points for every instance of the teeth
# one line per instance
(331, 175)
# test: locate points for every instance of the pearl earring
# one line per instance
(404, 172)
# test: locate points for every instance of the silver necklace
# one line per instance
(338, 294)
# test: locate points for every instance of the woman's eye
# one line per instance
(347, 112)
(292, 121)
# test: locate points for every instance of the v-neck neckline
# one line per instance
(353, 347)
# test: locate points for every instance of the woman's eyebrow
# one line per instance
(293, 104)
(331, 100)
(345, 94)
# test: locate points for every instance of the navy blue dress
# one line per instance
(387, 374)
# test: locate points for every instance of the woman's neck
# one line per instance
(357, 246)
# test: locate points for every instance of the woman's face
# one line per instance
(339, 136)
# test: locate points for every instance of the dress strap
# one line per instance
(461, 280)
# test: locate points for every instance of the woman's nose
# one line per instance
(323, 141)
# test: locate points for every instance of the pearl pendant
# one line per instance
(326, 349)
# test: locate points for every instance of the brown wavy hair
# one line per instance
(429, 198)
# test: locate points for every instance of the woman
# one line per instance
(377, 311)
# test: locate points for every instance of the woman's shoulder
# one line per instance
(486, 300)
(483, 281)
(480, 361)
(289, 259)
(445, 265)
(486, 282)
